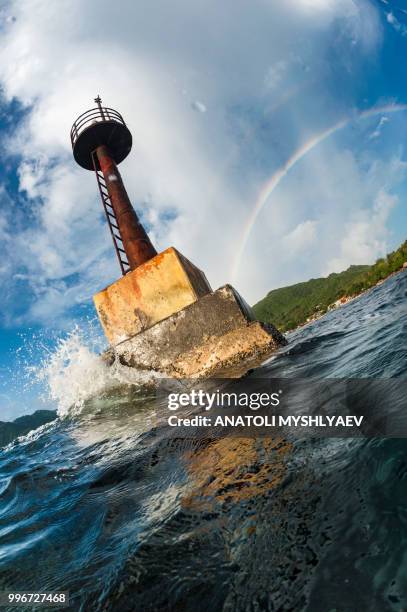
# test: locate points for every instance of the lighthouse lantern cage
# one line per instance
(100, 126)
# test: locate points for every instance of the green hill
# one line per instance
(10, 430)
(289, 307)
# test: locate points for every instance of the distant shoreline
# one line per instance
(10, 430)
(345, 299)
(296, 305)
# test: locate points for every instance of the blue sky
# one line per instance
(218, 96)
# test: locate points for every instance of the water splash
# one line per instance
(128, 516)
(74, 372)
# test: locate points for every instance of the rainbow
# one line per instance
(298, 155)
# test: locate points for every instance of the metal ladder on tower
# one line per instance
(111, 218)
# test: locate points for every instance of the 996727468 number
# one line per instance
(40, 599)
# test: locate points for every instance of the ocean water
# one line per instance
(124, 516)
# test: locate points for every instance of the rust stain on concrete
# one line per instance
(214, 336)
(152, 292)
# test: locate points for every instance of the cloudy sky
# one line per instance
(269, 144)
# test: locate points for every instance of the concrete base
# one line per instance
(152, 292)
(215, 336)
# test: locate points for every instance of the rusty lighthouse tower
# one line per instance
(100, 141)
(161, 314)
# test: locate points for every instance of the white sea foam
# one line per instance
(31, 436)
(74, 373)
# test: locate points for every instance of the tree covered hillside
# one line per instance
(9, 430)
(289, 307)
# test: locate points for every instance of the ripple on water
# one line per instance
(126, 516)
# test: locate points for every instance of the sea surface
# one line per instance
(105, 505)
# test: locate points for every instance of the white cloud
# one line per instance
(275, 74)
(360, 20)
(301, 237)
(365, 237)
(330, 7)
(396, 24)
(333, 212)
(198, 106)
(195, 179)
(378, 130)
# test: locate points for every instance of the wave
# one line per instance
(74, 373)
(126, 516)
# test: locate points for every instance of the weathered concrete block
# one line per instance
(215, 336)
(150, 293)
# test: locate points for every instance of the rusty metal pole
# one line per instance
(136, 242)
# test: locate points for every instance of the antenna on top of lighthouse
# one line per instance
(98, 101)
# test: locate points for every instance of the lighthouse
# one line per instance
(100, 141)
(161, 314)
